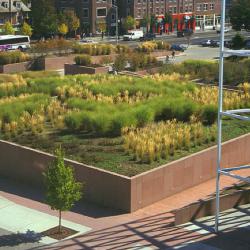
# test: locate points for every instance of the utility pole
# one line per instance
(10, 13)
(115, 6)
(117, 31)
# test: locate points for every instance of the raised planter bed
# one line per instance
(73, 69)
(121, 192)
(53, 62)
(16, 67)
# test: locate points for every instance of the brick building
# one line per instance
(195, 14)
(206, 13)
(92, 13)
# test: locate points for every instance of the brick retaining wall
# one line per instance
(128, 194)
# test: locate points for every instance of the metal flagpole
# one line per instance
(220, 107)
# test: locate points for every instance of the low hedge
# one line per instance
(141, 61)
(151, 46)
(83, 60)
(10, 57)
(93, 49)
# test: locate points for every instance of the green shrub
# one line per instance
(11, 57)
(179, 109)
(83, 60)
(209, 114)
(120, 62)
(144, 115)
(238, 41)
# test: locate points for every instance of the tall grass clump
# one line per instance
(162, 140)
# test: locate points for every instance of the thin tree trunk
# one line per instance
(60, 221)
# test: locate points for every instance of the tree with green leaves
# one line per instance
(238, 41)
(63, 29)
(62, 189)
(240, 14)
(44, 18)
(129, 23)
(8, 29)
(145, 22)
(26, 29)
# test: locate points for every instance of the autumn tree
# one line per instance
(129, 23)
(63, 29)
(26, 29)
(8, 29)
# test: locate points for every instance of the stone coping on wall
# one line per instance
(66, 159)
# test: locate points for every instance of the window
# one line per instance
(101, 12)
(85, 13)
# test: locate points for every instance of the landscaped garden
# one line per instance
(118, 123)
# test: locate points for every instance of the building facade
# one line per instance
(195, 14)
(95, 15)
(14, 11)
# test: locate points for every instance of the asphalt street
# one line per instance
(196, 39)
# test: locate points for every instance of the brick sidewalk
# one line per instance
(151, 227)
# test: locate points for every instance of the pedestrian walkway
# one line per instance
(27, 224)
(149, 228)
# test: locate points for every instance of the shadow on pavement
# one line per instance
(10, 240)
(159, 232)
(82, 207)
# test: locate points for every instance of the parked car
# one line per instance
(148, 37)
(133, 35)
(209, 43)
(226, 29)
(180, 34)
(177, 47)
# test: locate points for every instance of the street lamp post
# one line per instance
(116, 20)
(10, 3)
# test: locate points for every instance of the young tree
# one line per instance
(63, 29)
(129, 23)
(26, 29)
(62, 189)
(75, 24)
(8, 29)
(102, 26)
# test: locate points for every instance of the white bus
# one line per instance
(12, 42)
